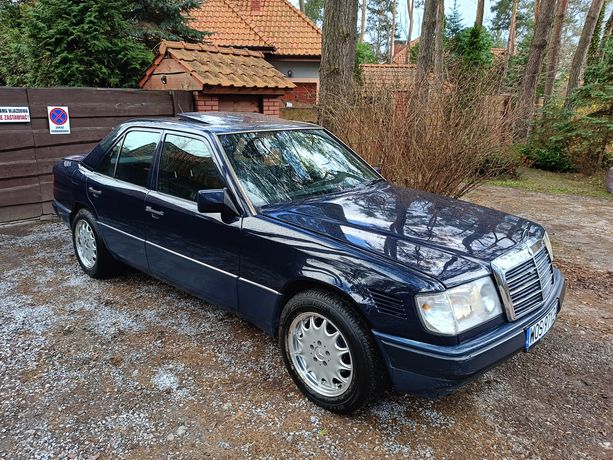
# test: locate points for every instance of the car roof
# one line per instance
(223, 122)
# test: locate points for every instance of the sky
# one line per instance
(467, 9)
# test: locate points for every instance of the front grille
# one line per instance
(388, 304)
(525, 280)
(530, 283)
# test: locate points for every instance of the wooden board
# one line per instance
(28, 152)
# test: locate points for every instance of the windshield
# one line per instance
(279, 166)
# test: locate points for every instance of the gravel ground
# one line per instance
(133, 368)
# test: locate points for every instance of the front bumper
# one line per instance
(417, 367)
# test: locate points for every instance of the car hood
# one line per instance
(447, 239)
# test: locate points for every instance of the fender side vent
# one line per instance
(388, 304)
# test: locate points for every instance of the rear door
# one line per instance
(197, 252)
(117, 192)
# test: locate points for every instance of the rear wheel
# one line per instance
(89, 248)
(329, 351)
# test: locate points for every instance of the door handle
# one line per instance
(94, 192)
(154, 212)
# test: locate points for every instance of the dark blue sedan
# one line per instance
(364, 283)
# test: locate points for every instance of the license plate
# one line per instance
(536, 332)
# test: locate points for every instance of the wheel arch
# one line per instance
(76, 207)
(299, 285)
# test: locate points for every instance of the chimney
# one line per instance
(256, 7)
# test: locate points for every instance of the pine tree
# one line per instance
(525, 102)
(86, 42)
(553, 49)
(314, 9)
(339, 40)
(379, 26)
(425, 60)
(592, 52)
(473, 48)
(157, 20)
(502, 11)
(454, 22)
(82, 43)
(580, 55)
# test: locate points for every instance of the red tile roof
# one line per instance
(389, 76)
(276, 25)
(212, 65)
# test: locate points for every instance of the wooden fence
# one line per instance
(28, 151)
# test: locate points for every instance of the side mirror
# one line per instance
(218, 200)
(377, 168)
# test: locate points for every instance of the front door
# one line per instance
(197, 252)
(117, 191)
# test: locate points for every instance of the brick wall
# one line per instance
(204, 103)
(303, 92)
(270, 106)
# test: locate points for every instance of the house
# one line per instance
(289, 40)
(400, 51)
(222, 78)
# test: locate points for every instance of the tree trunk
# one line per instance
(438, 40)
(480, 11)
(410, 8)
(392, 41)
(581, 52)
(554, 48)
(301, 3)
(363, 22)
(594, 48)
(337, 67)
(510, 50)
(425, 61)
(525, 101)
(537, 10)
(606, 33)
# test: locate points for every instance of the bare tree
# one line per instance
(510, 50)
(363, 22)
(410, 10)
(301, 5)
(480, 11)
(525, 101)
(425, 60)
(392, 38)
(338, 51)
(438, 40)
(554, 48)
(581, 51)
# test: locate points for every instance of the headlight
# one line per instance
(547, 242)
(460, 308)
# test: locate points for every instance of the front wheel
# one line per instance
(329, 351)
(89, 248)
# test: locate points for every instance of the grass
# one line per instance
(536, 180)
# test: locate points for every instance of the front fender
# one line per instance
(278, 260)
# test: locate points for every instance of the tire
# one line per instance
(94, 258)
(300, 330)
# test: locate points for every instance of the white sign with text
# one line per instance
(14, 114)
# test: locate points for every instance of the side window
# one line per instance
(107, 167)
(135, 157)
(186, 166)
